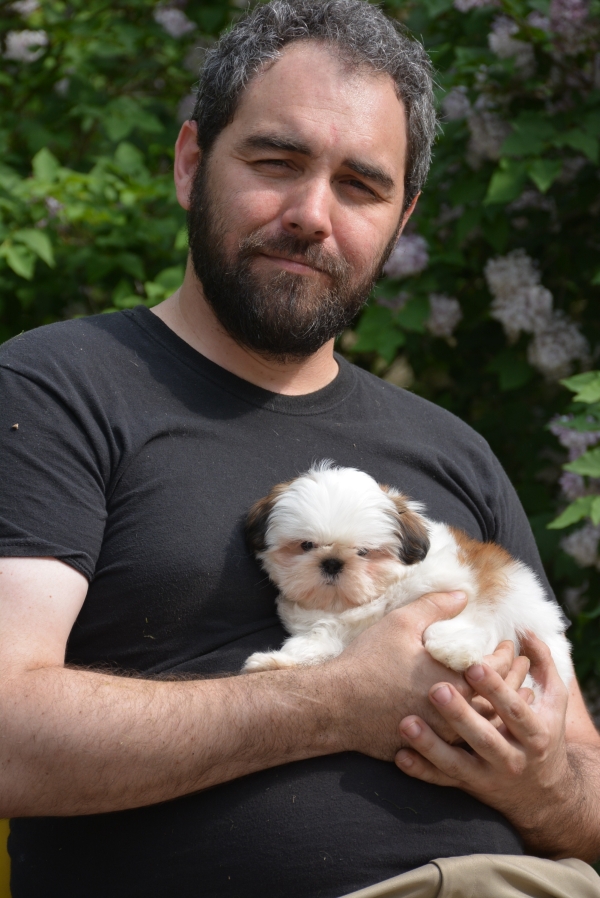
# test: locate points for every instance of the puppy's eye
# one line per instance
(362, 552)
(306, 547)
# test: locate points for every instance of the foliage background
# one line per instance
(490, 299)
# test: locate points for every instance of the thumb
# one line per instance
(435, 606)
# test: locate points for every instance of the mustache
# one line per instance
(305, 251)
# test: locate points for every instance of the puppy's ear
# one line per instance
(257, 522)
(412, 532)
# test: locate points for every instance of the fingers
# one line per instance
(543, 669)
(517, 673)
(511, 706)
(502, 659)
(436, 761)
(432, 607)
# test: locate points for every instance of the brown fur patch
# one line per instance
(488, 562)
(255, 528)
(412, 532)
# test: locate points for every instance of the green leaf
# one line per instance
(376, 333)
(45, 165)
(579, 140)
(131, 264)
(123, 115)
(530, 136)
(19, 258)
(544, 172)
(586, 386)
(170, 278)
(588, 464)
(129, 159)
(576, 511)
(592, 123)
(512, 371)
(507, 182)
(181, 240)
(436, 7)
(38, 242)
(596, 279)
(414, 315)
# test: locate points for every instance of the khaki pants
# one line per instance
(490, 876)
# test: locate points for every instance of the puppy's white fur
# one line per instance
(344, 551)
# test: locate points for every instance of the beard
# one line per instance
(282, 316)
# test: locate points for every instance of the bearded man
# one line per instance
(132, 762)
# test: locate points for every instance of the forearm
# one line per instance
(568, 824)
(79, 742)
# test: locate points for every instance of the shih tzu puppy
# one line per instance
(344, 551)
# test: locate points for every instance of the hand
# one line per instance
(389, 673)
(521, 768)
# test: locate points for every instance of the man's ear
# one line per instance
(187, 159)
(409, 212)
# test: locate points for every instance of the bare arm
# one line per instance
(542, 770)
(78, 742)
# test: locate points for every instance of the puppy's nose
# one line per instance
(331, 566)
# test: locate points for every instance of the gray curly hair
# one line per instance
(362, 36)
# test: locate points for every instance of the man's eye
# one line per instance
(358, 185)
(363, 552)
(306, 546)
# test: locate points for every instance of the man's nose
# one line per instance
(308, 214)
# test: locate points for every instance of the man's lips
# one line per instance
(291, 264)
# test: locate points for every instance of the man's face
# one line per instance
(298, 205)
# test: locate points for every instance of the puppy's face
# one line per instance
(333, 538)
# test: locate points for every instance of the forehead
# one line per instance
(310, 93)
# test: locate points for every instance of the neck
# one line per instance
(189, 315)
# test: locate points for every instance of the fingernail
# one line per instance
(412, 730)
(442, 695)
(459, 595)
(404, 759)
(476, 672)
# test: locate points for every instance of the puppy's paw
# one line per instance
(268, 661)
(456, 649)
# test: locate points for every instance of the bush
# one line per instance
(490, 299)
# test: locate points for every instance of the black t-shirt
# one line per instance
(135, 461)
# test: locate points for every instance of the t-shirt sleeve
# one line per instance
(52, 501)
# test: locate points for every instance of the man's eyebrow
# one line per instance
(372, 173)
(273, 142)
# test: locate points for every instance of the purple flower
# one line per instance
(409, 257)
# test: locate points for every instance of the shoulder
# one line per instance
(65, 345)
(424, 420)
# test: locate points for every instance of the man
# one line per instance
(144, 438)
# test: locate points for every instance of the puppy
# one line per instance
(344, 551)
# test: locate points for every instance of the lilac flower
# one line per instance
(53, 206)
(520, 303)
(567, 15)
(505, 46)
(455, 104)
(444, 316)
(409, 257)
(572, 485)
(468, 5)
(25, 46)
(174, 21)
(488, 133)
(582, 545)
(395, 303)
(576, 441)
(24, 7)
(556, 346)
